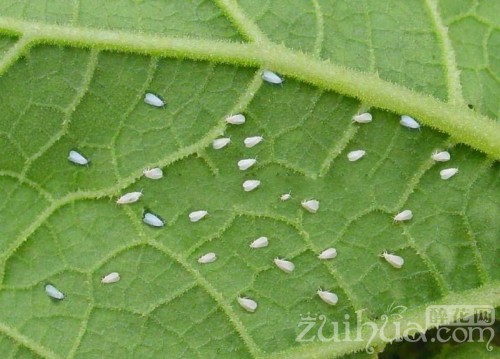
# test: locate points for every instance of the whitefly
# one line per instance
(248, 304)
(153, 220)
(250, 185)
(77, 158)
(328, 297)
(271, 77)
(362, 118)
(409, 122)
(153, 100)
(394, 260)
(53, 292)
(153, 173)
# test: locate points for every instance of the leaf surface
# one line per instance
(74, 78)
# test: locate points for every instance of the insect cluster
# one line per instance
(310, 205)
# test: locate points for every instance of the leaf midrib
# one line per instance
(461, 123)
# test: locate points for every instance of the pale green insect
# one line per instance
(310, 205)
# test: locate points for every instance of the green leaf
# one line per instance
(468, 350)
(74, 77)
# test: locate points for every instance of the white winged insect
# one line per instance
(393, 260)
(153, 220)
(130, 197)
(238, 119)
(260, 242)
(252, 141)
(197, 215)
(248, 304)
(328, 253)
(441, 156)
(284, 265)
(362, 118)
(405, 215)
(77, 158)
(53, 292)
(112, 277)
(310, 205)
(448, 173)
(328, 297)
(153, 173)
(271, 77)
(207, 258)
(219, 143)
(153, 100)
(409, 122)
(246, 163)
(250, 185)
(355, 155)
(286, 196)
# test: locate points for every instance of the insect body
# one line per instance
(393, 260)
(355, 155)
(448, 173)
(311, 205)
(153, 220)
(260, 242)
(271, 77)
(153, 173)
(53, 292)
(77, 158)
(328, 253)
(197, 215)
(362, 118)
(285, 266)
(250, 185)
(112, 277)
(153, 100)
(252, 141)
(285, 196)
(130, 197)
(219, 143)
(328, 297)
(238, 119)
(442, 156)
(409, 122)
(248, 304)
(207, 258)
(405, 215)
(246, 163)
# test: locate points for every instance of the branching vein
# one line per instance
(463, 125)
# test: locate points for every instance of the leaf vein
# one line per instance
(448, 54)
